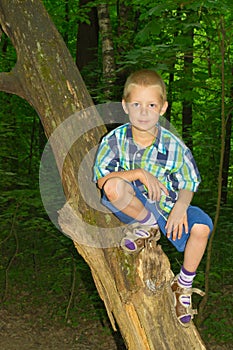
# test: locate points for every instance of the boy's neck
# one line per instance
(144, 138)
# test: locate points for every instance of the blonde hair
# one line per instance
(145, 77)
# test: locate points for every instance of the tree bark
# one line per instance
(87, 38)
(127, 26)
(136, 288)
(226, 159)
(108, 57)
(187, 109)
(227, 151)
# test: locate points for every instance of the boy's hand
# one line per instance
(153, 185)
(177, 220)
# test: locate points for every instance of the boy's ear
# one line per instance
(164, 108)
(124, 105)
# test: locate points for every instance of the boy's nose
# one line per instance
(143, 110)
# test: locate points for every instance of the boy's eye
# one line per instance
(135, 104)
(152, 105)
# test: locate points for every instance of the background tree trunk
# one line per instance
(108, 57)
(127, 26)
(227, 152)
(226, 159)
(87, 38)
(135, 289)
(187, 110)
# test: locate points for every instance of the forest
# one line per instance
(48, 296)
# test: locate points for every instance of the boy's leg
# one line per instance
(195, 247)
(129, 205)
(121, 194)
(194, 250)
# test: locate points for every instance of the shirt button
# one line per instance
(138, 155)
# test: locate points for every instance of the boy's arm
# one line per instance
(189, 179)
(185, 197)
(130, 175)
(178, 216)
(153, 185)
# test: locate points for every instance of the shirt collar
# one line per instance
(158, 141)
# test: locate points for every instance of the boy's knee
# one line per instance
(201, 230)
(115, 187)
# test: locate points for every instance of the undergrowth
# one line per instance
(39, 267)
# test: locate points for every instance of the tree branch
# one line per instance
(9, 83)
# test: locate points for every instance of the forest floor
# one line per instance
(35, 290)
(33, 330)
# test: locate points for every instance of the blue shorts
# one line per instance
(195, 216)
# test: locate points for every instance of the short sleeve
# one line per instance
(188, 175)
(107, 158)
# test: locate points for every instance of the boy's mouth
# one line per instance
(143, 121)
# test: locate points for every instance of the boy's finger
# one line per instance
(153, 196)
(180, 231)
(150, 194)
(155, 192)
(164, 188)
(186, 227)
(158, 195)
(174, 233)
(168, 231)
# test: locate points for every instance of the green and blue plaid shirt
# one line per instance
(168, 159)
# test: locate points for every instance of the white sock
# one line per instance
(149, 220)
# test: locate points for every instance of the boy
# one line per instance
(148, 177)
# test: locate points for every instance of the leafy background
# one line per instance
(190, 44)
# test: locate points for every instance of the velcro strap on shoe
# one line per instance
(190, 311)
(198, 291)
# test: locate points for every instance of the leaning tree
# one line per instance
(135, 288)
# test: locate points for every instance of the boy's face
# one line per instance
(144, 106)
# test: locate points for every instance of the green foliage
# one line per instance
(40, 264)
(217, 325)
(37, 262)
(162, 42)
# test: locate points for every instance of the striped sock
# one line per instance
(148, 220)
(185, 280)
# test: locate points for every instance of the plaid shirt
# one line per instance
(168, 159)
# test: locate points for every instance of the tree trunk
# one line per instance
(187, 109)
(227, 152)
(226, 159)
(127, 26)
(108, 57)
(135, 289)
(87, 38)
(169, 96)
